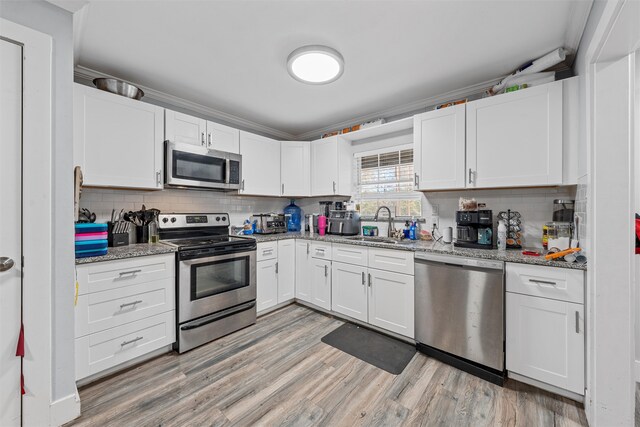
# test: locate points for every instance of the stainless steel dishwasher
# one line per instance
(459, 312)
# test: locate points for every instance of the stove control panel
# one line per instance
(182, 220)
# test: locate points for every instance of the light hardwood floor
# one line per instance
(278, 372)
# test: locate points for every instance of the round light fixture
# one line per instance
(315, 65)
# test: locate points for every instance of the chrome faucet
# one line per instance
(390, 228)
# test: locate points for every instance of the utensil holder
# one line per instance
(142, 234)
(116, 239)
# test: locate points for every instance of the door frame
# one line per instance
(37, 210)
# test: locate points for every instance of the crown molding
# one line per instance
(405, 109)
(85, 73)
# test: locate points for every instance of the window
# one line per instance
(385, 178)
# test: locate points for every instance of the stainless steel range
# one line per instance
(216, 277)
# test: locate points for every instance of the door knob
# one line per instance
(5, 263)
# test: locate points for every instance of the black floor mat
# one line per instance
(379, 350)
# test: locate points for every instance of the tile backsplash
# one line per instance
(534, 204)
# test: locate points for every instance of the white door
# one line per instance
(260, 165)
(324, 166)
(439, 148)
(321, 283)
(303, 270)
(295, 164)
(545, 340)
(286, 270)
(391, 301)
(515, 139)
(223, 138)
(184, 129)
(118, 141)
(267, 284)
(349, 290)
(10, 230)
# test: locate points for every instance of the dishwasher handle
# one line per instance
(458, 261)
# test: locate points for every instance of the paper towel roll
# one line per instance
(542, 63)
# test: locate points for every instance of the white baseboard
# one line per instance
(64, 410)
(637, 371)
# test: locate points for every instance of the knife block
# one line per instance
(116, 240)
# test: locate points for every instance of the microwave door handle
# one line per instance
(227, 171)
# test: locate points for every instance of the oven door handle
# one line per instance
(217, 316)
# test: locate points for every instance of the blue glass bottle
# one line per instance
(295, 218)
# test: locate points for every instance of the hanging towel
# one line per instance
(20, 347)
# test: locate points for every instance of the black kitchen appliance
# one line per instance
(215, 277)
(470, 225)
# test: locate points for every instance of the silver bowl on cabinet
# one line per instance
(118, 87)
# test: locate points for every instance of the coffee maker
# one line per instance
(474, 229)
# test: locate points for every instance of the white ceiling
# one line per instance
(231, 55)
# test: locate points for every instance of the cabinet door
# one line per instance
(391, 301)
(223, 138)
(349, 290)
(118, 141)
(321, 283)
(184, 129)
(260, 165)
(303, 270)
(286, 270)
(515, 139)
(295, 164)
(267, 284)
(439, 148)
(324, 167)
(545, 340)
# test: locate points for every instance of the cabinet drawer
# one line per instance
(350, 254)
(103, 310)
(267, 250)
(547, 282)
(397, 261)
(103, 350)
(103, 276)
(321, 250)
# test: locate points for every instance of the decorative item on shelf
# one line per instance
(513, 222)
(451, 104)
(372, 123)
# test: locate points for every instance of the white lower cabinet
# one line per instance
(391, 302)
(321, 283)
(275, 273)
(349, 290)
(303, 270)
(545, 339)
(125, 309)
(267, 284)
(286, 270)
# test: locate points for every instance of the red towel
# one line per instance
(20, 347)
(637, 234)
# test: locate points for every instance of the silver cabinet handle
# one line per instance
(6, 263)
(283, 189)
(363, 278)
(136, 339)
(276, 268)
(369, 274)
(416, 179)
(158, 177)
(130, 303)
(242, 185)
(308, 245)
(334, 187)
(122, 273)
(325, 271)
(577, 322)
(470, 175)
(202, 139)
(209, 141)
(543, 282)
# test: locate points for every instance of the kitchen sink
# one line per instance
(376, 239)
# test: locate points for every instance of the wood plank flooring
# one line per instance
(278, 372)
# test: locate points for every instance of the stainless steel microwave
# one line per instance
(189, 165)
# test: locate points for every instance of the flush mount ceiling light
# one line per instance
(315, 65)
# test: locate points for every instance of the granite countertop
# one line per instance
(131, 251)
(512, 255)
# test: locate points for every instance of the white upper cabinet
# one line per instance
(515, 139)
(331, 167)
(439, 148)
(260, 165)
(184, 129)
(118, 141)
(223, 138)
(295, 164)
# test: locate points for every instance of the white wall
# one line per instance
(49, 19)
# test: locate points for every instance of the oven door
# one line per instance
(194, 166)
(212, 284)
